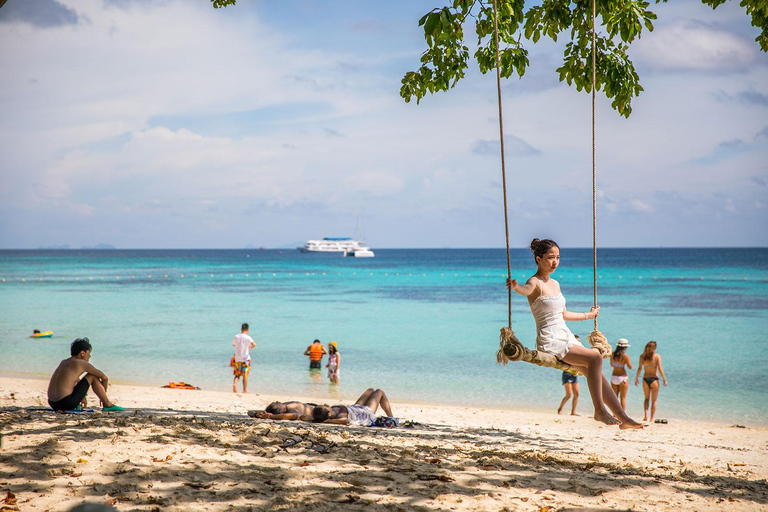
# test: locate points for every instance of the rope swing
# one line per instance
(510, 348)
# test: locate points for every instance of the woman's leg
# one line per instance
(599, 388)
(567, 386)
(376, 399)
(589, 362)
(647, 392)
(654, 396)
(364, 397)
(623, 388)
(575, 398)
(615, 388)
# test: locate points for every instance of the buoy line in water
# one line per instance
(150, 277)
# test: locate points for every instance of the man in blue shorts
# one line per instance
(571, 386)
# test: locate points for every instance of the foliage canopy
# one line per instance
(620, 22)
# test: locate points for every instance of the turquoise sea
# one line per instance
(422, 324)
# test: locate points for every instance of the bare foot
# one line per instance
(234, 388)
(560, 411)
(574, 414)
(605, 417)
(630, 424)
(645, 418)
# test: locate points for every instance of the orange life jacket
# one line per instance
(316, 352)
(180, 385)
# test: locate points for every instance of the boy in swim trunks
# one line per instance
(67, 390)
(362, 413)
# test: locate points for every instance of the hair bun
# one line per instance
(535, 242)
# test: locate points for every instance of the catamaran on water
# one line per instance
(344, 245)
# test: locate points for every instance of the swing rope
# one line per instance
(503, 167)
(595, 338)
(510, 348)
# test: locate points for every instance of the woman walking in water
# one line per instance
(548, 307)
(619, 378)
(650, 363)
(334, 362)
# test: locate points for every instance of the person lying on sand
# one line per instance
(363, 412)
(67, 390)
(285, 411)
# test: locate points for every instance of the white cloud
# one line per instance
(692, 45)
(117, 121)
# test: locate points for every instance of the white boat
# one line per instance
(360, 253)
(346, 246)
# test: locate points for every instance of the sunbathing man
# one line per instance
(67, 390)
(362, 413)
(285, 411)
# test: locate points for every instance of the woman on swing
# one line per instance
(548, 308)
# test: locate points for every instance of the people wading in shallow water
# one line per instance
(650, 363)
(619, 377)
(548, 307)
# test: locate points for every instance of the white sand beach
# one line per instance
(178, 450)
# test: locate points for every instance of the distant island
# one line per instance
(100, 247)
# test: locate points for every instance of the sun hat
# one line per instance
(334, 344)
(623, 343)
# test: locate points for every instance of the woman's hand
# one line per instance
(637, 380)
(595, 311)
(511, 284)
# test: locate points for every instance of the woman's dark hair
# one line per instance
(540, 247)
(332, 349)
(276, 408)
(79, 345)
(619, 352)
(321, 413)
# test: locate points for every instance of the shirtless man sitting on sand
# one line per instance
(362, 413)
(285, 411)
(67, 390)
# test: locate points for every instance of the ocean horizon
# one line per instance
(422, 324)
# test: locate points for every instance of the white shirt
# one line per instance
(242, 344)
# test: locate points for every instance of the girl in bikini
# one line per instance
(619, 378)
(548, 308)
(650, 363)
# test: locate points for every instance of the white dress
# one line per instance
(553, 336)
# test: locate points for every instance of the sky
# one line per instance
(170, 124)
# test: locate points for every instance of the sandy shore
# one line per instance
(176, 450)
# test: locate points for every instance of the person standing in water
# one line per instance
(571, 387)
(334, 362)
(548, 307)
(242, 367)
(315, 351)
(650, 363)
(619, 377)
